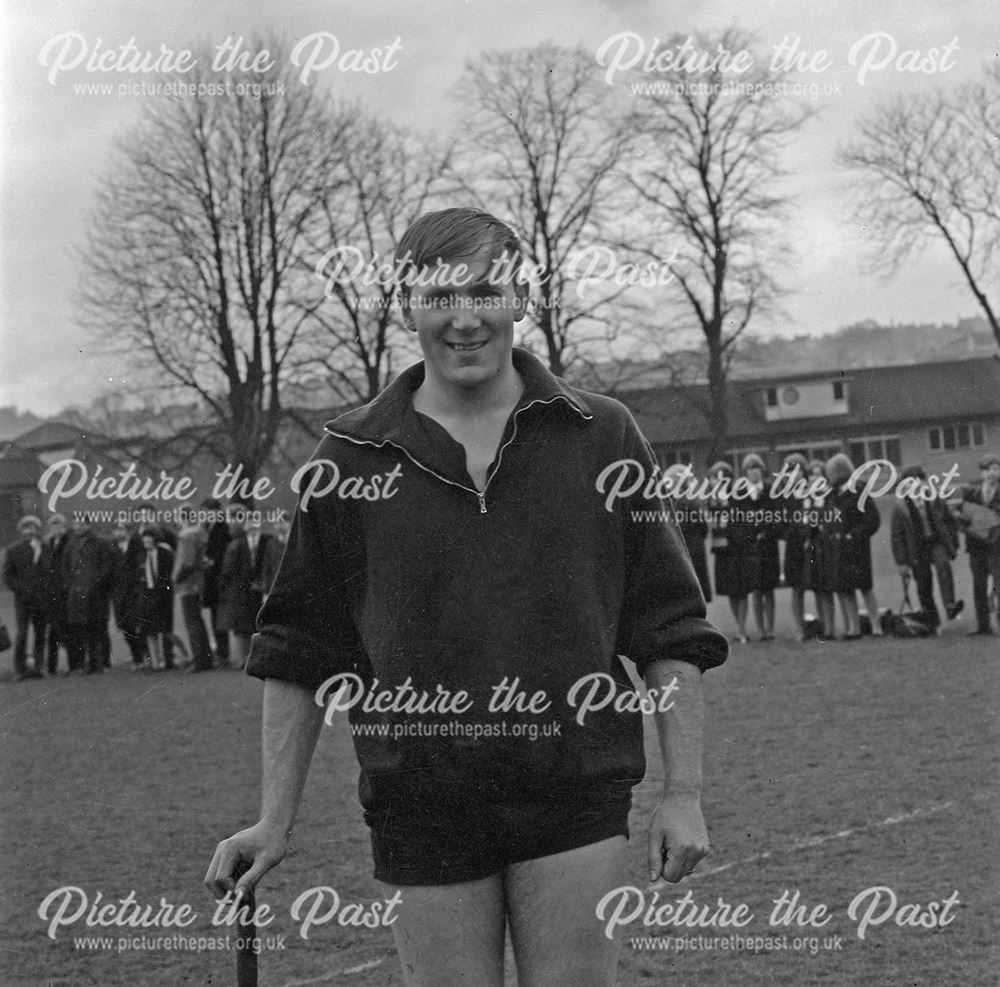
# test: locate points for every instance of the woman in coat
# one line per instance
(794, 532)
(154, 599)
(732, 546)
(693, 521)
(819, 553)
(764, 533)
(855, 529)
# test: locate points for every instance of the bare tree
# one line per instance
(706, 180)
(192, 267)
(138, 427)
(539, 139)
(929, 165)
(389, 178)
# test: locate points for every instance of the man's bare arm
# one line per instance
(677, 835)
(291, 725)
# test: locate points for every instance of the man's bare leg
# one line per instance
(551, 907)
(451, 935)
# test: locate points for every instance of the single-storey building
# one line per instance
(933, 414)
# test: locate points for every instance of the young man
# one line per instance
(470, 541)
(56, 541)
(88, 572)
(24, 570)
(982, 540)
(924, 542)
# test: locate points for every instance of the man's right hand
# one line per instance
(260, 846)
(905, 572)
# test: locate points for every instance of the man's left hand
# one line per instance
(678, 840)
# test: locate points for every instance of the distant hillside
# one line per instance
(865, 344)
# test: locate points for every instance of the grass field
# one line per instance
(829, 769)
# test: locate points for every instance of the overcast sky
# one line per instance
(56, 140)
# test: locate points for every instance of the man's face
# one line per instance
(992, 473)
(29, 532)
(465, 322)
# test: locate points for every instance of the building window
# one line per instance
(951, 437)
(838, 390)
(772, 397)
(875, 447)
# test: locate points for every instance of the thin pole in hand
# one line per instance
(246, 935)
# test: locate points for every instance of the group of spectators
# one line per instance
(69, 584)
(827, 545)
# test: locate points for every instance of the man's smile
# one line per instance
(467, 347)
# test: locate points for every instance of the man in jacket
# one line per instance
(56, 541)
(982, 539)
(88, 572)
(469, 545)
(924, 542)
(24, 573)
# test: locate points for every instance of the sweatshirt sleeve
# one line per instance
(305, 631)
(664, 613)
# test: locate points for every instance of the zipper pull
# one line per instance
(482, 501)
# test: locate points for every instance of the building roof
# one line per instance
(878, 398)
(49, 435)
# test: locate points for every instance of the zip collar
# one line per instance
(386, 419)
(392, 420)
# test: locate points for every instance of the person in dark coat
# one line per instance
(692, 520)
(732, 545)
(759, 508)
(794, 530)
(88, 568)
(819, 552)
(982, 539)
(56, 539)
(855, 529)
(163, 535)
(125, 592)
(924, 541)
(215, 554)
(24, 568)
(248, 571)
(155, 604)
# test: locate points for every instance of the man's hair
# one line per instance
(450, 234)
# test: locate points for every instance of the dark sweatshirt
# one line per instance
(403, 573)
